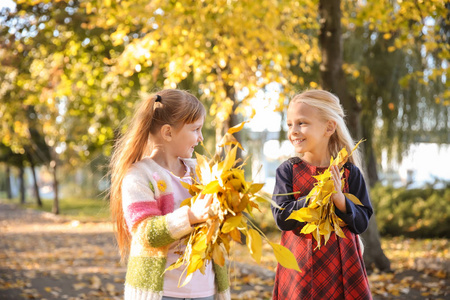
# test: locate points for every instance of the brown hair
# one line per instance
(173, 107)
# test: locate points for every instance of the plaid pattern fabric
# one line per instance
(335, 271)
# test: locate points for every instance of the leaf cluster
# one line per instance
(320, 213)
(233, 200)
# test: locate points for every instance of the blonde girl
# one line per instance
(317, 130)
(149, 161)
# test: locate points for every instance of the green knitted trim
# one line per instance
(221, 274)
(146, 273)
(158, 232)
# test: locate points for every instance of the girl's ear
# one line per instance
(166, 132)
(331, 128)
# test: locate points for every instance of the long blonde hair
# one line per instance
(330, 109)
(171, 106)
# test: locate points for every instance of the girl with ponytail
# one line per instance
(149, 161)
(317, 130)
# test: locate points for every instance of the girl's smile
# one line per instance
(308, 133)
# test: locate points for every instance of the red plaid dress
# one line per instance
(335, 271)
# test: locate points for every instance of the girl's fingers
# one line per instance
(335, 174)
(209, 199)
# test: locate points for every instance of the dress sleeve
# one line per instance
(144, 214)
(357, 216)
(283, 185)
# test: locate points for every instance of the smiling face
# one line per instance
(185, 138)
(308, 132)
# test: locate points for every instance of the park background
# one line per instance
(71, 71)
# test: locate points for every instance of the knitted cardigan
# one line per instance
(154, 223)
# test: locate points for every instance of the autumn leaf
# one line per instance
(305, 215)
(285, 257)
(237, 128)
(353, 199)
(231, 223)
(254, 244)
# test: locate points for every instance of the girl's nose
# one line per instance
(200, 137)
(294, 130)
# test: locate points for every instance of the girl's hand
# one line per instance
(198, 213)
(338, 198)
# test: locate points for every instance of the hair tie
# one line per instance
(158, 98)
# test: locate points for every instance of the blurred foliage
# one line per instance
(412, 212)
(72, 70)
(416, 213)
(77, 208)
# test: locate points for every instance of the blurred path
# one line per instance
(43, 256)
(47, 257)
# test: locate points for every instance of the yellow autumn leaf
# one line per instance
(356, 146)
(229, 140)
(213, 230)
(353, 198)
(195, 263)
(231, 223)
(236, 235)
(263, 198)
(255, 187)
(185, 202)
(185, 185)
(175, 265)
(235, 184)
(308, 228)
(322, 177)
(203, 168)
(327, 198)
(305, 214)
(339, 231)
(229, 159)
(254, 244)
(186, 281)
(285, 257)
(237, 128)
(326, 237)
(325, 227)
(212, 187)
(200, 242)
(218, 255)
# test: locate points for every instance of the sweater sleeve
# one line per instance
(283, 185)
(144, 210)
(357, 216)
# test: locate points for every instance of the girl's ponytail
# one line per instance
(131, 147)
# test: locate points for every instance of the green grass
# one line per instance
(74, 208)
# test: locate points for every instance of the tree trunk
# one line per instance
(373, 253)
(371, 162)
(22, 184)
(333, 79)
(8, 182)
(35, 182)
(232, 120)
(55, 208)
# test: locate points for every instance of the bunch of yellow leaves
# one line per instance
(233, 200)
(319, 214)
